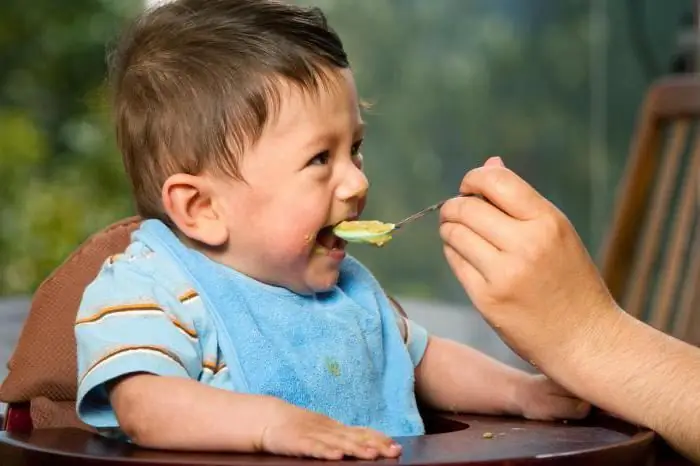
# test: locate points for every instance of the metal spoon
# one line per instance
(379, 233)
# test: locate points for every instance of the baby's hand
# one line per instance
(294, 431)
(539, 398)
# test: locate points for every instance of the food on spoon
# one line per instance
(365, 231)
(371, 227)
(378, 241)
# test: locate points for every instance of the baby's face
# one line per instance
(302, 177)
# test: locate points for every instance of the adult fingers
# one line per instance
(466, 274)
(505, 190)
(494, 162)
(479, 253)
(484, 219)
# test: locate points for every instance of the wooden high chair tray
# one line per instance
(454, 440)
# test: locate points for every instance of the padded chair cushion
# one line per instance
(47, 414)
(43, 369)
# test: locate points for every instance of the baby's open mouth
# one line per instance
(327, 239)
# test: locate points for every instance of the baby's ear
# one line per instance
(188, 201)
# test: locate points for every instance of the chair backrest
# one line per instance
(42, 376)
(651, 259)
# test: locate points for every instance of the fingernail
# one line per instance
(494, 161)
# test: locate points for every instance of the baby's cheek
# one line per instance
(298, 233)
(304, 231)
(295, 243)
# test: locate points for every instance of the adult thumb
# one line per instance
(494, 162)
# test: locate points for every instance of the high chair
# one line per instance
(42, 427)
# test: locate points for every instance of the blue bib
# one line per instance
(338, 353)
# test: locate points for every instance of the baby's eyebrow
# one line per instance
(324, 138)
(319, 140)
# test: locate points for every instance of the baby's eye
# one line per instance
(321, 158)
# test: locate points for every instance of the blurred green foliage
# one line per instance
(453, 81)
(61, 175)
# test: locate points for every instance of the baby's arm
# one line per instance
(455, 377)
(139, 361)
(183, 414)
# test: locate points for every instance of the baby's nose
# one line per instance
(355, 185)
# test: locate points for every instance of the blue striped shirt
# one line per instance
(141, 315)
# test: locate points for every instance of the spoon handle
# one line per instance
(418, 215)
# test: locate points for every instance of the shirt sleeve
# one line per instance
(414, 335)
(416, 340)
(127, 323)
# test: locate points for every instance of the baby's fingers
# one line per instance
(319, 448)
(568, 408)
(555, 389)
(340, 441)
(581, 409)
(377, 441)
(360, 443)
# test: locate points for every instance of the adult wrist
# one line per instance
(585, 352)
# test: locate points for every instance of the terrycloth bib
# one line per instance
(338, 353)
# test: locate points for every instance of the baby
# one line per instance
(235, 320)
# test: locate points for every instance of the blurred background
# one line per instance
(552, 86)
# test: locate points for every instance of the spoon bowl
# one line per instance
(365, 231)
(376, 232)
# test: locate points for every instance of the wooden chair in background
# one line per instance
(651, 260)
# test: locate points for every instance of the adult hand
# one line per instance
(522, 264)
(528, 273)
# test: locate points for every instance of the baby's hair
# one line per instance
(196, 81)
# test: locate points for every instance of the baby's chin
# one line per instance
(306, 277)
(321, 283)
(310, 289)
